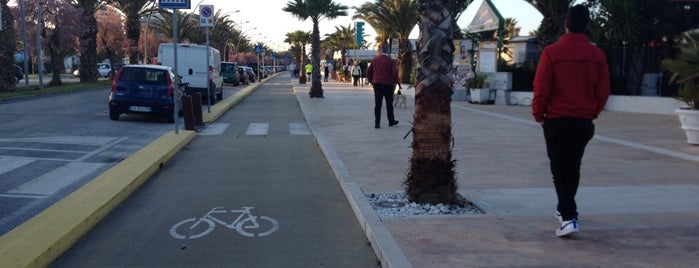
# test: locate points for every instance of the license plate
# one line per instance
(142, 109)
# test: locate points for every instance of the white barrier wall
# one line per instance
(632, 104)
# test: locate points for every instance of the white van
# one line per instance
(191, 65)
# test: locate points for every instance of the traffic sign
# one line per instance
(206, 16)
(175, 4)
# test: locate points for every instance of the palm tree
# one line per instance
(510, 30)
(187, 26)
(299, 38)
(553, 24)
(133, 10)
(315, 10)
(431, 178)
(88, 40)
(7, 48)
(397, 18)
(341, 40)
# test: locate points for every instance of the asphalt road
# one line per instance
(251, 190)
(52, 145)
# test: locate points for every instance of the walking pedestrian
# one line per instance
(382, 73)
(309, 70)
(356, 72)
(571, 86)
(326, 72)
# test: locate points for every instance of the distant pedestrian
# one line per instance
(356, 73)
(383, 75)
(571, 87)
(309, 70)
(326, 72)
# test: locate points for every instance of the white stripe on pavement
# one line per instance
(57, 179)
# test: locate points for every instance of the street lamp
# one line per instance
(242, 33)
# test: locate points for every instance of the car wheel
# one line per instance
(114, 116)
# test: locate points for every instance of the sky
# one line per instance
(265, 21)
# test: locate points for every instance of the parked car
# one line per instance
(104, 69)
(251, 73)
(229, 72)
(19, 74)
(145, 89)
(115, 68)
(243, 75)
(191, 65)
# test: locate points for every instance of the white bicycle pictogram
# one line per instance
(194, 228)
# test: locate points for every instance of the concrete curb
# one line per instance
(40, 240)
(43, 238)
(382, 242)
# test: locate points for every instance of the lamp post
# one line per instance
(242, 33)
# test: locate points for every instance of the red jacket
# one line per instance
(382, 70)
(572, 80)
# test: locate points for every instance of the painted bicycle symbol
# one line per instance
(245, 224)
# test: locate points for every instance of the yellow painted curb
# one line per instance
(43, 238)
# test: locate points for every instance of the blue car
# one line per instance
(145, 89)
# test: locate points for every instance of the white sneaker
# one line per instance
(567, 228)
(558, 216)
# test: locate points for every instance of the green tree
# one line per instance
(186, 25)
(553, 24)
(397, 18)
(133, 10)
(315, 10)
(341, 40)
(431, 178)
(7, 48)
(88, 39)
(299, 39)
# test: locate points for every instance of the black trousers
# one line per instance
(382, 92)
(566, 139)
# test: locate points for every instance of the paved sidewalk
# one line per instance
(638, 198)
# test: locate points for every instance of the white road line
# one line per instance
(214, 129)
(299, 129)
(257, 129)
(10, 163)
(57, 179)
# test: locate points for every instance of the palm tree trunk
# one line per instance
(431, 177)
(7, 49)
(405, 60)
(133, 30)
(316, 86)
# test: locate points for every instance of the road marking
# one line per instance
(299, 129)
(257, 129)
(214, 129)
(57, 179)
(10, 163)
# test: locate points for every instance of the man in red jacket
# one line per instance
(571, 87)
(383, 76)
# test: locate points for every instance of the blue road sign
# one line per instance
(175, 4)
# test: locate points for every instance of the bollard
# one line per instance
(196, 108)
(188, 113)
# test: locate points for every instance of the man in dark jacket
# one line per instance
(571, 87)
(382, 73)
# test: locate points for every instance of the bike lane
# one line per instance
(251, 190)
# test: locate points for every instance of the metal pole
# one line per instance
(40, 59)
(208, 71)
(24, 44)
(174, 68)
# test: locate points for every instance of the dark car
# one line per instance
(115, 68)
(229, 72)
(244, 78)
(251, 73)
(19, 75)
(145, 89)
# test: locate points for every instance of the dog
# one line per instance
(399, 100)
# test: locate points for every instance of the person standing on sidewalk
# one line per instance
(382, 73)
(309, 71)
(356, 73)
(571, 86)
(326, 72)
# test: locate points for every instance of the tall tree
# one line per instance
(187, 26)
(341, 40)
(299, 38)
(60, 34)
(110, 35)
(553, 23)
(133, 10)
(88, 39)
(431, 178)
(315, 10)
(7, 48)
(397, 17)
